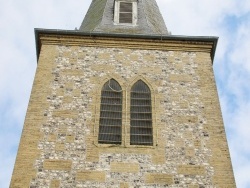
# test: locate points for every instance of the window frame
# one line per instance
(126, 89)
(141, 114)
(111, 102)
(117, 12)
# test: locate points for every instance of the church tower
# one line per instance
(122, 103)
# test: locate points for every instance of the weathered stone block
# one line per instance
(186, 119)
(54, 184)
(189, 152)
(65, 113)
(52, 138)
(180, 78)
(91, 176)
(60, 147)
(159, 178)
(124, 167)
(191, 170)
(70, 138)
(193, 186)
(124, 185)
(57, 165)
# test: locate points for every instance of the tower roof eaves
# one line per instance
(183, 38)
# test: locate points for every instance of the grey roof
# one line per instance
(100, 16)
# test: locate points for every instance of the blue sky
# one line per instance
(227, 19)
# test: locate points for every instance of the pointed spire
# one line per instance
(124, 16)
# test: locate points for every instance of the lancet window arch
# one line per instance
(110, 122)
(137, 127)
(141, 130)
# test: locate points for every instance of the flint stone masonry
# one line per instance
(59, 143)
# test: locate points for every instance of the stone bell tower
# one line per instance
(121, 103)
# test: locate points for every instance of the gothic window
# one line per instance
(110, 123)
(141, 132)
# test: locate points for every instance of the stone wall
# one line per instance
(59, 146)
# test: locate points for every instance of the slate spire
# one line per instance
(124, 16)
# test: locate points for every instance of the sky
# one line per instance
(227, 19)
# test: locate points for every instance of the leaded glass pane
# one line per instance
(110, 123)
(141, 132)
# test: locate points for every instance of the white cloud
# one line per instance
(240, 55)
(239, 130)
